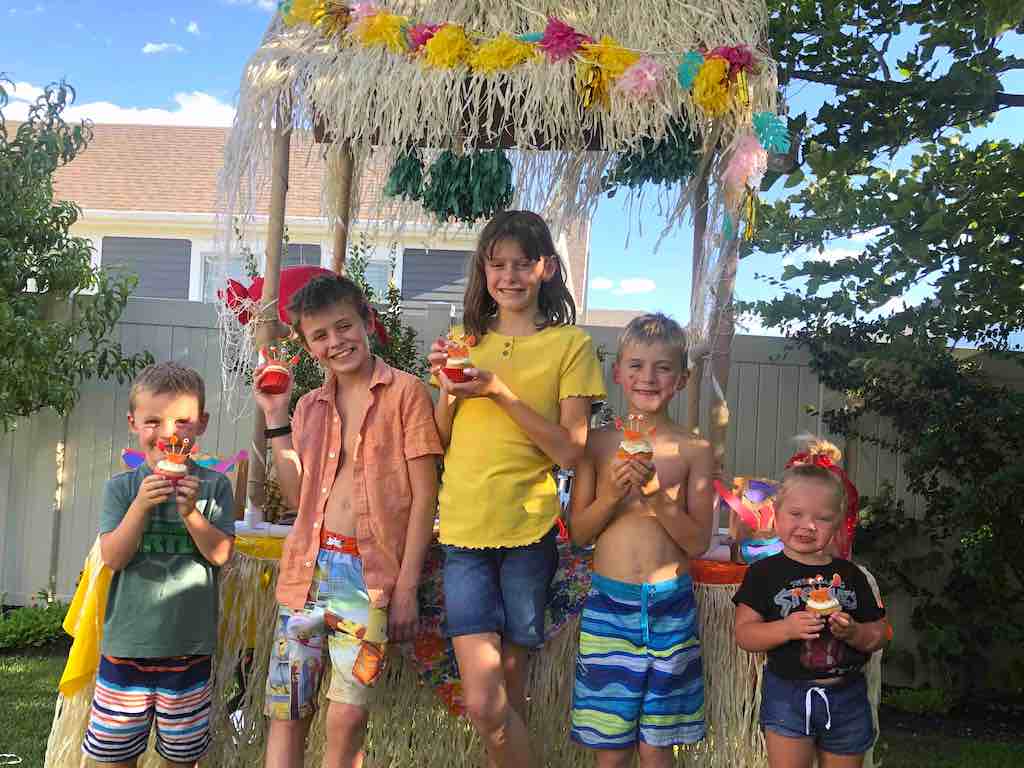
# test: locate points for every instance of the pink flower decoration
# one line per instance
(740, 58)
(561, 41)
(642, 79)
(747, 166)
(420, 34)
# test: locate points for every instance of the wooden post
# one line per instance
(721, 351)
(700, 228)
(267, 328)
(345, 170)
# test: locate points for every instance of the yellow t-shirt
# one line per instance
(498, 489)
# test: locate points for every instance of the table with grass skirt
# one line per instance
(417, 719)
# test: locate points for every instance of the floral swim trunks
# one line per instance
(337, 611)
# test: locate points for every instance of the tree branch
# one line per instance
(1010, 99)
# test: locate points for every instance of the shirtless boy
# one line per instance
(639, 678)
(359, 462)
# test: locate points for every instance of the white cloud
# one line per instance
(174, 21)
(634, 285)
(627, 287)
(266, 5)
(193, 108)
(162, 48)
(192, 28)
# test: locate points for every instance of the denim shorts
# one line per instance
(500, 589)
(837, 717)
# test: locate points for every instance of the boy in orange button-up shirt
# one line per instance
(359, 462)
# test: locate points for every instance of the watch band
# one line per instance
(272, 432)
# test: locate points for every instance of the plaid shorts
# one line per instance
(337, 615)
(131, 693)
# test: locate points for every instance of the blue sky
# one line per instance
(181, 64)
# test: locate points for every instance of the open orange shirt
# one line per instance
(398, 426)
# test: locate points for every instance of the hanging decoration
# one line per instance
(560, 41)
(671, 160)
(642, 80)
(387, 30)
(406, 177)
(420, 34)
(711, 86)
(503, 52)
(447, 48)
(688, 69)
(466, 188)
(771, 132)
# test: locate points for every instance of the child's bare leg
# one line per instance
(614, 758)
(830, 760)
(655, 757)
(487, 700)
(346, 730)
(286, 743)
(126, 764)
(515, 660)
(786, 752)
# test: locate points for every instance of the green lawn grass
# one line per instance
(29, 685)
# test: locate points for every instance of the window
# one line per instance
(301, 254)
(377, 275)
(217, 270)
(434, 276)
(161, 265)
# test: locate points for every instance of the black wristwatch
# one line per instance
(271, 432)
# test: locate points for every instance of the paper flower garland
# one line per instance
(711, 86)
(383, 29)
(420, 34)
(447, 48)
(503, 52)
(560, 41)
(688, 69)
(642, 80)
(602, 64)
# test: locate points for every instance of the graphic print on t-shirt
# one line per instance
(826, 654)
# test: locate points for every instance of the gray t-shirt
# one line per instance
(164, 602)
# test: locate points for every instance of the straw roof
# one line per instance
(377, 99)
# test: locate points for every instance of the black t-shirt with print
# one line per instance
(777, 585)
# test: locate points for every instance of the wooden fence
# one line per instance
(48, 519)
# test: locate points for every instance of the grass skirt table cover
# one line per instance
(414, 721)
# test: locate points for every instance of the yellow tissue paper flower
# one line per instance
(611, 57)
(711, 86)
(448, 48)
(301, 11)
(503, 52)
(384, 29)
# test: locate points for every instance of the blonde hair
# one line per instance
(168, 378)
(803, 466)
(655, 328)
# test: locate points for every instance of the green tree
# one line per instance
(52, 337)
(885, 158)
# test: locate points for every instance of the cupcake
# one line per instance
(821, 603)
(275, 374)
(635, 443)
(457, 351)
(174, 464)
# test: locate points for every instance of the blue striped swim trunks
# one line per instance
(639, 674)
(132, 693)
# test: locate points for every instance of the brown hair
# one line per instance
(655, 328)
(804, 467)
(323, 292)
(168, 378)
(532, 235)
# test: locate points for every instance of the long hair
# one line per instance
(532, 234)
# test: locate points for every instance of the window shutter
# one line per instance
(162, 265)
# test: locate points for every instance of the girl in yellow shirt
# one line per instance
(524, 409)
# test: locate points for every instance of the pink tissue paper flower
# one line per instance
(561, 41)
(642, 79)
